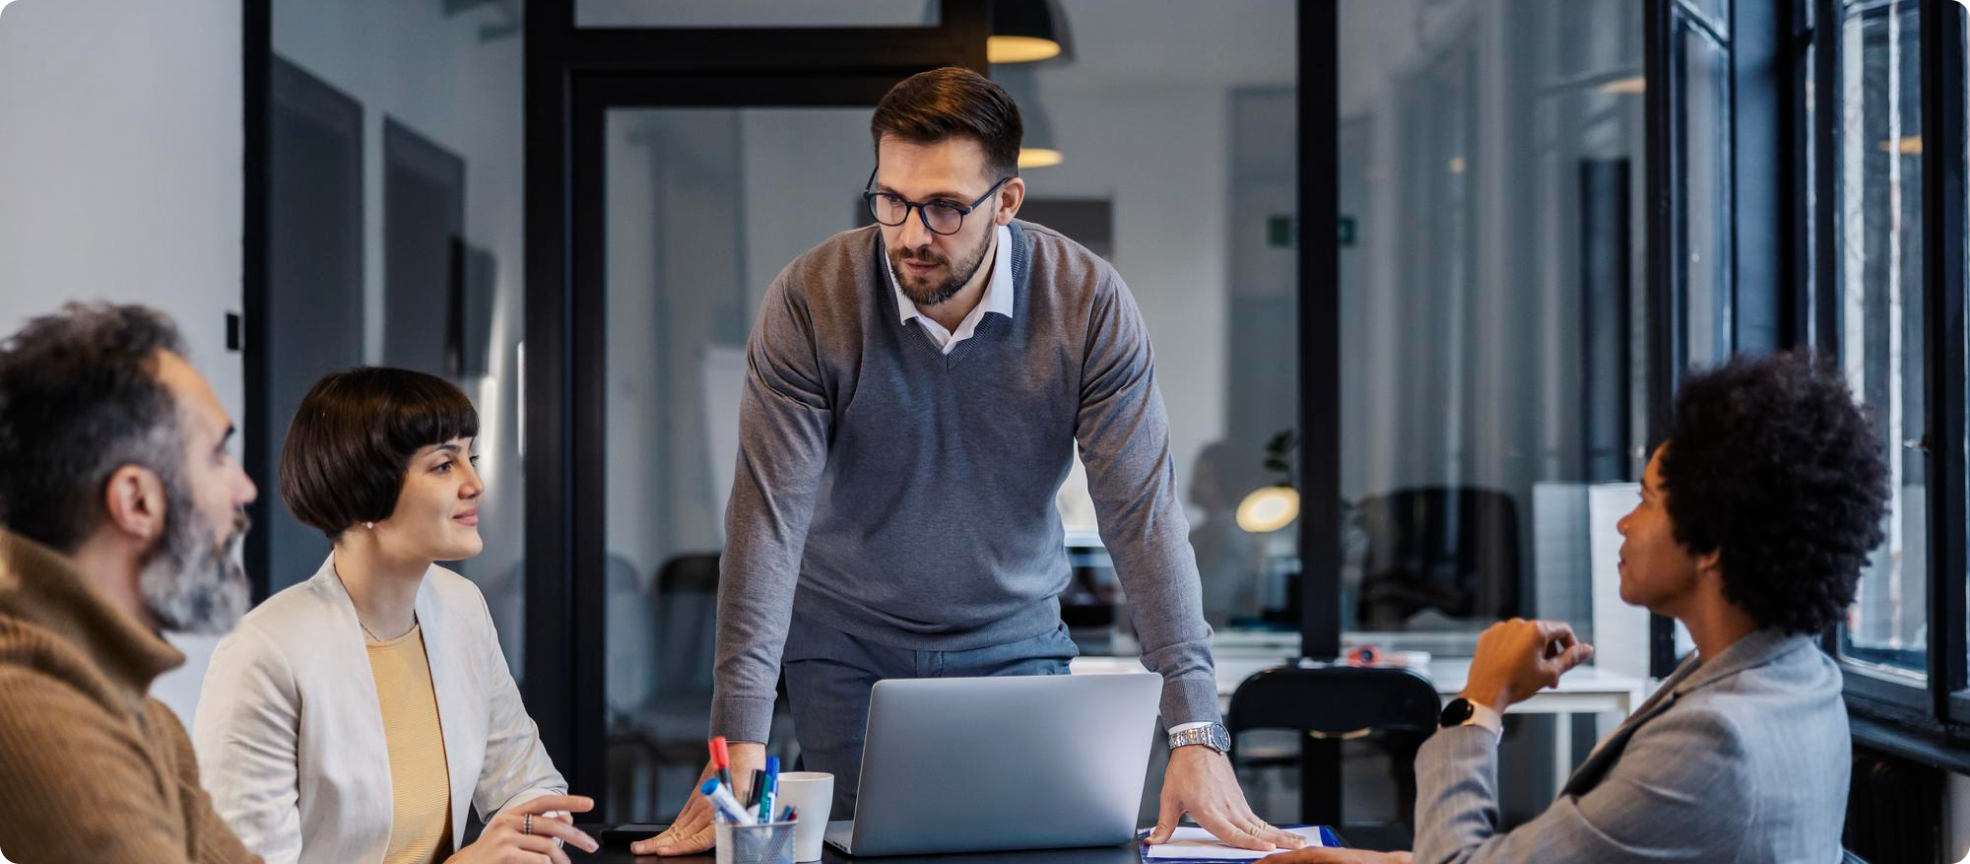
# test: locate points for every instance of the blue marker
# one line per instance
(769, 789)
(726, 804)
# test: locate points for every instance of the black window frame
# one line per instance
(1929, 722)
(1764, 234)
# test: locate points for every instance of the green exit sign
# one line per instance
(1279, 232)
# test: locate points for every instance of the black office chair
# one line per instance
(1453, 550)
(1392, 707)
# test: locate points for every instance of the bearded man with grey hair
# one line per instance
(120, 505)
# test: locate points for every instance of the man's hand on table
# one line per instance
(692, 832)
(1516, 658)
(1338, 856)
(1199, 781)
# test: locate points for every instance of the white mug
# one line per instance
(813, 794)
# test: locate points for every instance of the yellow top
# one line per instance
(420, 831)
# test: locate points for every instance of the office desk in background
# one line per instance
(1095, 855)
(1585, 690)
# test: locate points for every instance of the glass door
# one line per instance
(703, 207)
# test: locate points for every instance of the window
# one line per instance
(1704, 163)
(1889, 301)
(1879, 313)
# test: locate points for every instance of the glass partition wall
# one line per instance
(1493, 315)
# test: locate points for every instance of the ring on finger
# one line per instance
(527, 825)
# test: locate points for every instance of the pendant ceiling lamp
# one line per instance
(1038, 148)
(1026, 31)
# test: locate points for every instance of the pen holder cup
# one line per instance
(771, 843)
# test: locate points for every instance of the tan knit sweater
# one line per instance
(91, 769)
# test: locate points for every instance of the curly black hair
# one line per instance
(1771, 464)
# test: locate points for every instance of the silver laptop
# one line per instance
(994, 764)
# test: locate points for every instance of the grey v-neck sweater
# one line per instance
(906, 495)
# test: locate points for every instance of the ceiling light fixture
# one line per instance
(1026, 31)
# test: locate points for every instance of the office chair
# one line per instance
(1393, 707)
(661, 649)
(1449, 549)
(667, 679)
(629, 686)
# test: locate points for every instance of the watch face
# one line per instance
(1220, 739)
(1455, 713)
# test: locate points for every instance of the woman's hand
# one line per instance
(506, 841)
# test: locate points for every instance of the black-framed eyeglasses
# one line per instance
(941, 217)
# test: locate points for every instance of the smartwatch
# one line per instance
(1464, 712)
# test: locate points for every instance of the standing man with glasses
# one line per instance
(915, 393)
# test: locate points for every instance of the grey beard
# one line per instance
(191, 584)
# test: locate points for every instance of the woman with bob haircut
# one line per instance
(351, 718)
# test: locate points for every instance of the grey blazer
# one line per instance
(1743, 758)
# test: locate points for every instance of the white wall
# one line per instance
(120, 148)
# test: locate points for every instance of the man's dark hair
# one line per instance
(1772, 464)
(353, 437)
(929, 107)
(79, 399)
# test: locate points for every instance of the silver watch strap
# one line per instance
(1213, 736)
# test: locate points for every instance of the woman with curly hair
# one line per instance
(1756, 516)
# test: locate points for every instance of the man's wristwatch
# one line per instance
(1213, 736)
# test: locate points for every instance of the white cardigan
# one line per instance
(290, 734)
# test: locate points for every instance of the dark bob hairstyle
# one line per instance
(1772, 465)
(353, 437)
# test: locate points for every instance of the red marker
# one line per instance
(721, 759)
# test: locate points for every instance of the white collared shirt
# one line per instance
(997, 298)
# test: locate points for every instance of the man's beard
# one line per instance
(193, 584)
(933, 295)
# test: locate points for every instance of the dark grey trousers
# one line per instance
(829, 674)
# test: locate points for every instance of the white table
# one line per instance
(1585, 690)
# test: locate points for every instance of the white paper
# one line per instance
(1195, 844)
